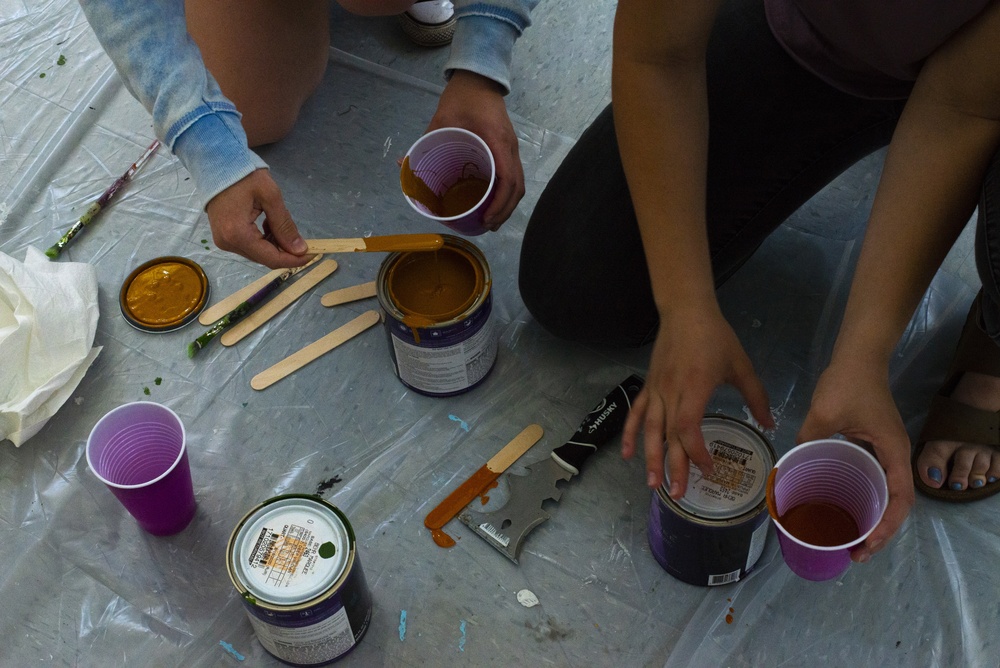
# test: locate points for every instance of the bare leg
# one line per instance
(268, 56)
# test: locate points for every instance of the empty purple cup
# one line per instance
(139, 451)
(443, 156)
(835, 473)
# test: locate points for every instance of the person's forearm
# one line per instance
(661, 121)
(930, 184)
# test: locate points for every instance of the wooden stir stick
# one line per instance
(478, 482)
(314, 350)
(272, 308)
(389, 242)
(351, 294)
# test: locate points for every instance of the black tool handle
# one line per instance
(601, 424)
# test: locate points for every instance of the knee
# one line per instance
(268, 125)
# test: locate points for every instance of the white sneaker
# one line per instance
(429, 22)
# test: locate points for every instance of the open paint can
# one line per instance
(437, 307)
(716, 532)
(294, 561)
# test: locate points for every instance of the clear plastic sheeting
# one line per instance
(84, 586)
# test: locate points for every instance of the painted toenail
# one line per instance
(978, 483)
(992, 479)
(957, 486)
(934, 474)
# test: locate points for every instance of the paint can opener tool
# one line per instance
(507, 527)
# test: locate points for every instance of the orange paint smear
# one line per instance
(458, 198)
(484, 496)
(477, 483)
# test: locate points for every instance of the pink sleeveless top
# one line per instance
(870, 48)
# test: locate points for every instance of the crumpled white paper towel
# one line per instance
(48, 318)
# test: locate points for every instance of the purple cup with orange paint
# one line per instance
(445, 161)
(825, 497)
(139, 451)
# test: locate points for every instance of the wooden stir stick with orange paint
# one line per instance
(478, 482)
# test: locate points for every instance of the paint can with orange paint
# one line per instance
(293, 559)
(716, 532)
(437, 308)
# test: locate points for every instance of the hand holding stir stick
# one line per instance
(102, 202)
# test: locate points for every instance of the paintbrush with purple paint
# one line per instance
(238, 313)
(101, 202)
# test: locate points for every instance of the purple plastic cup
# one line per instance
(443, 156)
(832, 472)
(139, 451)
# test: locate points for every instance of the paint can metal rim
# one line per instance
(716, 532)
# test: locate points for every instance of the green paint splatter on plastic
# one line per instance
(42, 75)
(158, 380)
(146, 391)
(61, 61)
(327, 550)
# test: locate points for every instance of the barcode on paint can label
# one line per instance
(725, 578)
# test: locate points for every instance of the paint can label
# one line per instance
(448, 369)
(717, 531)
(293, 559)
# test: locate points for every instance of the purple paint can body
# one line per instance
(716, 532)
(294, 561)
(437, 307)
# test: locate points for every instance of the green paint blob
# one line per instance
(42, 75)
(158, 381)
(62, 60)
(145, 391)
(327, 550)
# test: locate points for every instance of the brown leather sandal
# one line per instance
(949, 420)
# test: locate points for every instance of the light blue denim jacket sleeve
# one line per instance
(485, 33)
(148, 42)
(162, 67)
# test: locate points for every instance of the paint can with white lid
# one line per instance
(716, 532)
(294, 561)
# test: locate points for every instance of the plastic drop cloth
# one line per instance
(83, 586)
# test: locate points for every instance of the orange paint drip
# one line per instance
(441, 539)
(414, 186)
(772, 506)
(451, 506)
(484, 497)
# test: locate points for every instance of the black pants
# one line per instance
(777, 135)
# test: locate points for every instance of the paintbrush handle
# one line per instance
(237, 314)
(98, 205)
